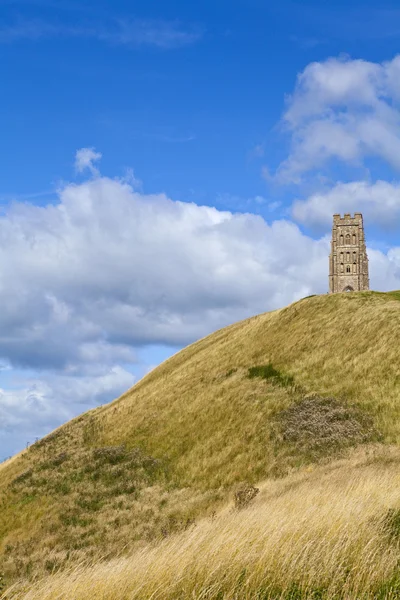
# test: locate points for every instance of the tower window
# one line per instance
(341, 240)
(348, 269)
(347, 238)
(354, 239)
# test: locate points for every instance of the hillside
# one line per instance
(280, 400)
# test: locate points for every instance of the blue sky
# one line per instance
(186, 116)
(171, 167)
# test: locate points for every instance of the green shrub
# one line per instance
(269, 372)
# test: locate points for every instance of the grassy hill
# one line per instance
(302, 402)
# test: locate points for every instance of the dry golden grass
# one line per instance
(321, 533)
(211, 428)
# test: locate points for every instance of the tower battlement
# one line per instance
(347, 218)
(348, 261)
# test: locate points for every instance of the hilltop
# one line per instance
(302, 402)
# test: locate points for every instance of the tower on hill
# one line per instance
(348, 261)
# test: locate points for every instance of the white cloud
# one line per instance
(379, 202)
(109, 269)
(345, 110)
(84, 159)
(37, 405)
(87, 282)
(53, 396)
(384, 269)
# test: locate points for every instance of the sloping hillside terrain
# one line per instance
(303, 403)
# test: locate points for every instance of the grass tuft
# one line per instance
(244, 496)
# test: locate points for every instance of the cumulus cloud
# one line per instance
(384, 269)
(345, 110)
(84, 159)
(109, 269)
(88, 282)
(35, 406)
(379, 202)
(49, 397)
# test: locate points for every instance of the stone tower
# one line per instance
(348, 261)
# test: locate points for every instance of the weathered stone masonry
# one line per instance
(348, 261)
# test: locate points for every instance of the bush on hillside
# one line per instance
(269, 372)
(318, 426)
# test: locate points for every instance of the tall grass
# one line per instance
(211, 426)
(317, 534)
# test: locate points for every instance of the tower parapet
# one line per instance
(348, 261)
